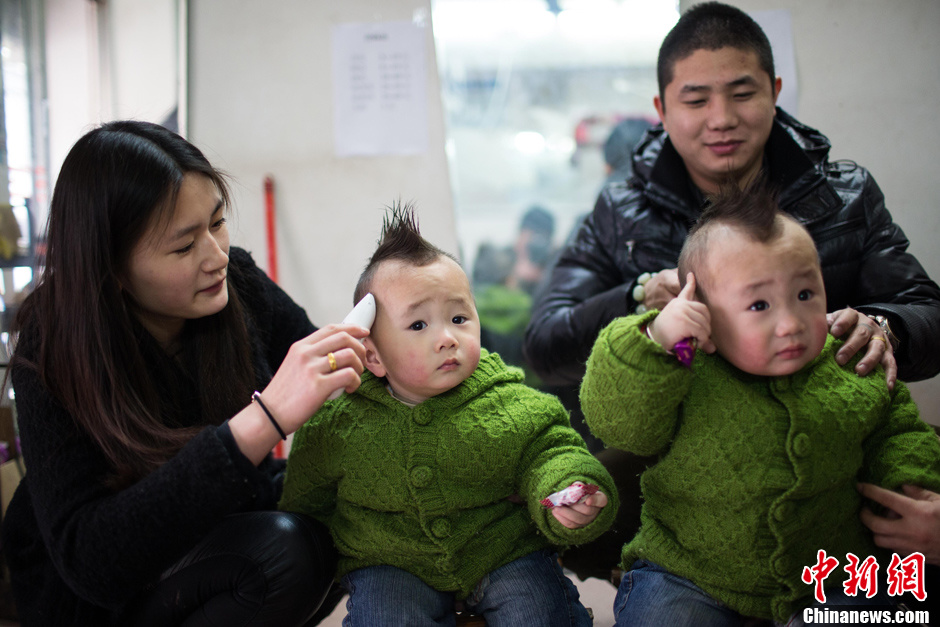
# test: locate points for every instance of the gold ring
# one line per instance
(880, 339)
(330, 358)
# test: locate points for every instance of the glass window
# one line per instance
(24, 192)
(532, 90)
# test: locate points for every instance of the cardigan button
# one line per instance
(421, 476)
(422, 417)
(801, 445)
(783, 511)
(782, 566)
(440, 528)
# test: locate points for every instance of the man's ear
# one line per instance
(660, 107)
(373, 360)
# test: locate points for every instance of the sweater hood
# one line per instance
(490, 371)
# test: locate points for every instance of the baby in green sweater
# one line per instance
(430, 475)
(761, 438)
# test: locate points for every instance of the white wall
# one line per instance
(143, 58)
(114, 60)
(72, 75)
(261, 103)
(868, 79)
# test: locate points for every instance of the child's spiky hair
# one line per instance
(400, 240)
(752, 210)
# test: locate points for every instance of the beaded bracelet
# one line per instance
(256, 397)
(639, 291)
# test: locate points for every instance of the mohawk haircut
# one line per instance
(711, 26)
(753, 211)
(400, 241)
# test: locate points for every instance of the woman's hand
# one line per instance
(862, 331)
(912, 523)
(582, 513)
(301, 385)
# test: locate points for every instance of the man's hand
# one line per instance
(682, 318)
(580, 514)
(913, 523)
(863, 332)
(661, 289)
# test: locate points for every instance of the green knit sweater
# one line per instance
(755, 473)
(427, 489)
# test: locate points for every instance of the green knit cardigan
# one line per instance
(755, 474)
(430, 489)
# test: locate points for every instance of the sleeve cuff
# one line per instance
(267, 490)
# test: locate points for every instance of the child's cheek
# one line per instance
(821, 330)
(748, 353)
(473, 353)
(417, 365)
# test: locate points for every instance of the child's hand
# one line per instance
(580, 514)
(683, 317)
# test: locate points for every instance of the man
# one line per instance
(716, 102)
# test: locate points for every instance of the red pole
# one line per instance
(269, 224)
(272, 257)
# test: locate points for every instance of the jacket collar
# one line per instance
(796, 158)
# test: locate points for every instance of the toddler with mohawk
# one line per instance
(431, 474)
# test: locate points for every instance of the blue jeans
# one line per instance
(650, 596)
(531, 590)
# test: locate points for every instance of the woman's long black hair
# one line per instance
(117, 182)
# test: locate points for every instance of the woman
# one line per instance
(149, 480)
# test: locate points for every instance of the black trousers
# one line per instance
(254, 569)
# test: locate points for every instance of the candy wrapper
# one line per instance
(574, 493)
(685, 351)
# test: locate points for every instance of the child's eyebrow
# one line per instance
(805, 274)
(416, 305)
(753, 287)
(459, 300)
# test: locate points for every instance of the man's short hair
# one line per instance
(753, 211)
(401, 241)
(711, 26)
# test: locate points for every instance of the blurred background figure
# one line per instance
(504, 280)
(618, 152)
(618, 148)
(533, 249)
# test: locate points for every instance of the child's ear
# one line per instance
(373, 360)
